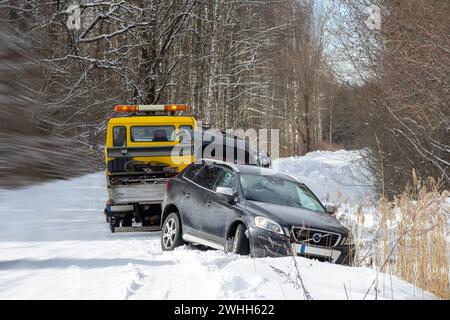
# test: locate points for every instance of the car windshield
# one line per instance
(276, 190)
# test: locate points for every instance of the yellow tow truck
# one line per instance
(139, 161)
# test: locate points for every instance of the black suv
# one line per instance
(250, 210)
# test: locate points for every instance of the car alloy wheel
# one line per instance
(169, 233)
(171, 236)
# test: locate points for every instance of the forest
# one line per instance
(370, 75)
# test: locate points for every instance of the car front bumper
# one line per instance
(268, 244)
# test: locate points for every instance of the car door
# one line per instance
(191, 201)
(197, 194)
(218, 212)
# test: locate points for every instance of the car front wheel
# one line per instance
(171, 233)
(239, 243)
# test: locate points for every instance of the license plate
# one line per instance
(303, 249)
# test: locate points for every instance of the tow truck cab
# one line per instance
(139, 161)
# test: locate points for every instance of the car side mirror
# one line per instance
(330, 208)
(226, 193)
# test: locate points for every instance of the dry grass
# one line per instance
(412, 239)
(405, 237)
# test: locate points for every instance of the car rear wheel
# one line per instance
(239, 243)
(171, 233)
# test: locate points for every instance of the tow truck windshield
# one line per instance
(153, 134)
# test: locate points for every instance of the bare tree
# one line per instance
(402, 79)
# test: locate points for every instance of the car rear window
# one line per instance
(207, 176)
(153, 134)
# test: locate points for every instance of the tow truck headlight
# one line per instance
(267, 224)
(350, 239)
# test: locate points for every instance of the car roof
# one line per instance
(253, 170)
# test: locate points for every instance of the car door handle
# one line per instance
(187, 194)
(209, 203)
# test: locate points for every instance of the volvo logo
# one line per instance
(316, 237)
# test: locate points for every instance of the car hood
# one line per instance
(290, 216)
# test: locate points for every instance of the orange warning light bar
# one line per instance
(152, 108)
(126, 108)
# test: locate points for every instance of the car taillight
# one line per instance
(170, 172)
(168, 184)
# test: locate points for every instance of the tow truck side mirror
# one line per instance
(92, 138)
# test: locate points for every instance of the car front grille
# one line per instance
(316, 237)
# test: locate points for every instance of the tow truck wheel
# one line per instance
(113, 223)
(127, 222)
(171, 233)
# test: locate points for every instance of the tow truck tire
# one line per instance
(113, 223)
(127, 222)
(239, 243)
(171, 233)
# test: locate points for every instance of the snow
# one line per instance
(331, 176)
(55, 244)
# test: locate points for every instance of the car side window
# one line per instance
(192, 171)
(207, 176)
(226, 180)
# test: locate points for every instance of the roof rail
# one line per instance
(231, 165)
(293, 177)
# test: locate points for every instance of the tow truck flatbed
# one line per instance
(144, 193)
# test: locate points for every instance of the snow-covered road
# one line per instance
(55, 244)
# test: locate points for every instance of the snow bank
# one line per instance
(331, 174)
(55, 244)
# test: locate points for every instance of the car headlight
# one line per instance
(267, 224)
(350, 239)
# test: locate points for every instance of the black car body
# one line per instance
(259, 217)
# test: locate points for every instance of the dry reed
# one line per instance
(412, 238)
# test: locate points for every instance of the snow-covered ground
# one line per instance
(55, 244)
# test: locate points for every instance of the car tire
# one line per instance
(171, 236)
(239, 243)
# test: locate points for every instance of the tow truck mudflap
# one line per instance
(121, 208)
(111, 209)
(115, 213)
